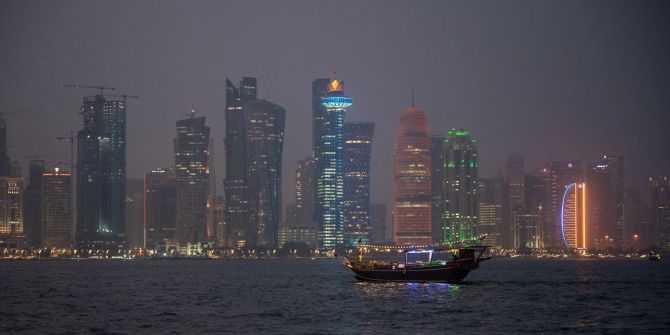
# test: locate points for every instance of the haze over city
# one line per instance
(551, 81)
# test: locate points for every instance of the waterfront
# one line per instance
(321, 296)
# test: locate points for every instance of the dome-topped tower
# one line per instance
(412, 179)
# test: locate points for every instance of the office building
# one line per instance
(357, 157)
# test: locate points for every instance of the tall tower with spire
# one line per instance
(329, 162)
(412, 210)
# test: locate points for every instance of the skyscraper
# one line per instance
(160, 207)
(514, 173)
(236, 188)
(319, 123)
(492, 212)
(265, 136)
(556, 176)
(135, 231)
(460, 186)
(101, 178)
(606, 192)
(32, 203)
(57, 209)
(635, 219)
(412, 215)
(4, 157)
(192, 178)
(436, 176)
(357, 155)
(329, 162)
(11, 207)
(527, 227)
(660, 190)
(305, 188)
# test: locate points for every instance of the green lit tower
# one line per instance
(460, 186)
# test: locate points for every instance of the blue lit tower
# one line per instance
(329, 157)
(357, 153)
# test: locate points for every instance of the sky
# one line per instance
(551, 80)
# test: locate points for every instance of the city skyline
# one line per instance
(461, 84)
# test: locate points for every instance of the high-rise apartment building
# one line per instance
(101, 176)
(412, 208)
(305, 189)
(57, 230)
(160, 207)
(192, 179)
(357, 156)
(11, 207)
(460, 186)
(492, 212)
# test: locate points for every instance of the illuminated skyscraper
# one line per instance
(305, 187)
(160, 207)
(192, 177)
(265, 136)
(412, 212)
(606, 194)
(101, 177)
(329, 162)
(379, 226)
(492, 212)
(514, 172)
(660, 188)
(57, 209)
(357, 154)
(437, 169)
(235, 184)
(11, 207)
(574, 229)
(460, 186)
(556, 176)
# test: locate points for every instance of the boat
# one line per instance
(463, 260)
(654, 256)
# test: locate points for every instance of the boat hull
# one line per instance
(452, 272)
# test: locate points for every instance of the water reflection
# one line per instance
(420, 291)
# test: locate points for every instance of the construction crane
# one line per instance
(101, 88)
(124, 96)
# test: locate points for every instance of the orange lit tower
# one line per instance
(412, 218)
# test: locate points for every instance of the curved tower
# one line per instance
(329, 159)
(412, 219)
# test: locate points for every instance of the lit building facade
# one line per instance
(574, 229)
(357, 157)
(329, 163)
(11, 206)
(57, 230)
(265, 135)
(192, 179)
(235, 183)
(660, 190)
(460, 186)
(305, 188)
(101, 172)
(412, 188)
(437, 169)
(492, 212)
(160, 207)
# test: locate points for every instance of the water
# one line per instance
(322, 297)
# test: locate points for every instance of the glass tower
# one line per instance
(357, 154)
(460, 186)
(265, 135)
(192, 177)
(329, 157)
(101, 180)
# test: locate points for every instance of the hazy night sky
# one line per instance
(557, 80)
